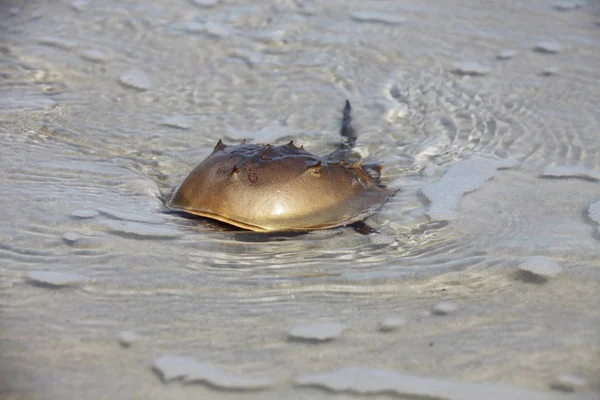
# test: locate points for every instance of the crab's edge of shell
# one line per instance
(256, 228)
(218, 217)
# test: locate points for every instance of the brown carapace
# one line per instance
(281, 188)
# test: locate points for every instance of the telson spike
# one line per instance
(347, 106)
(301, 147)
(234, 171)
(219, 146)
(347, 130)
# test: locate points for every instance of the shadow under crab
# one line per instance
(284, 188)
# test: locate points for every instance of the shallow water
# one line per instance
(484, 114)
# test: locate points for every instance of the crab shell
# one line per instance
(277, 188)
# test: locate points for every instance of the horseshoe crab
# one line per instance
(282, 188)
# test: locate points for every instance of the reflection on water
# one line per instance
(106, 106)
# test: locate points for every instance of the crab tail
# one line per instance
(347, 130)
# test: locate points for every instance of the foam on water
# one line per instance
(205, 3)
(444, 308)
(549, 47)
(251, 58)
(594, 211)
(317, 332)
(72, 237)
(127, 338)
(391, 324)
(470, 68)
(80, 5)
(96, 56)
(542, 266)
(568, 5)
(464, 177)
(549, 71)
(135, 79)
(212, 29)
(507, 54)
(172, 367)
(364, 380)
(568, 382)
(55, 279)
(377, 17)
